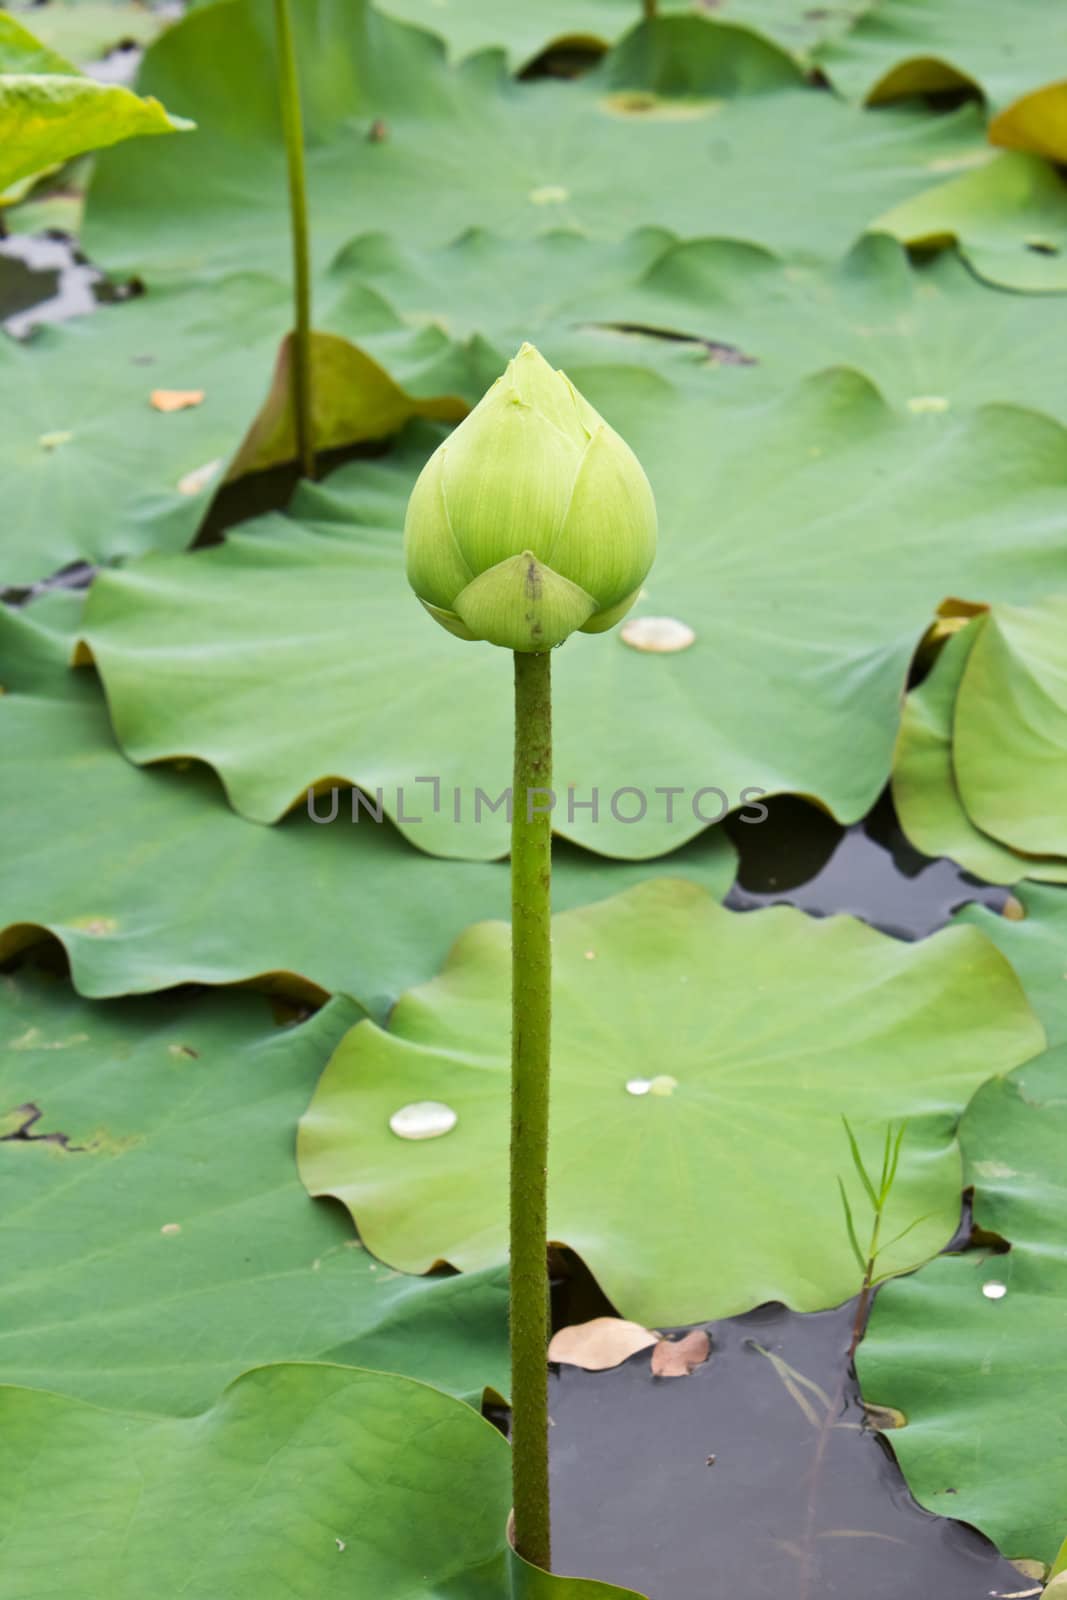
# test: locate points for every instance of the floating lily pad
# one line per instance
(700, 118)
(925, 789)
(1009, 743)
(806, 540)
(149, 879)
(50, 114)
(750, 1034)
(930, 335)
(796, 25)
(156, 1239)
(912, 47)
(525, 32)
(971, 1348)
(96, 471)
(85, 30)
(304, 1451)
(1036, 946)
(344, 1480)
(1008, 216)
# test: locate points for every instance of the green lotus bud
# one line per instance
(532, 519)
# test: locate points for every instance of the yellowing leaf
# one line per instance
(1036, 121)
(48, 117)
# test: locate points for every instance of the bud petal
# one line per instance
(449, 620)
(552, 394)
(523, 605)
(507, 478)
(436, 570)
(603, 620)
(608, 537)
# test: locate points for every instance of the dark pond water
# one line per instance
(744, 1482)
(44, 279)
(801, 857)
(719, 1486)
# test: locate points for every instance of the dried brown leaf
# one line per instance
(677, 1358)
(175, 399)
(605, 1342)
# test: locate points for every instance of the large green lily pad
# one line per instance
(85, 30)
(1008, 216)
(925, 788)
(156, 1238)
(912, 47)
(1010, 729)
(149, 879)
(49, 112)
(1036, 946)
(524, 32)
(96, 471)
(302, 1482)
(972, 1348)
(807, 540)
(751, 1034)
(701, 118)
(930, 335)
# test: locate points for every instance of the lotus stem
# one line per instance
(650, 10)
(293, 131)
(531, 1002)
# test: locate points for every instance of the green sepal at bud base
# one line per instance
(533, 520)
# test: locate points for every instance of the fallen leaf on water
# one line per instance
(175, 399)
(604, 1342)
(677, 1358)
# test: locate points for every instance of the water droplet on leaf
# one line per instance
(658, 635)
(551, 194)
(927, 404)
(423, 1119)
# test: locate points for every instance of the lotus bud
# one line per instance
(533, 519)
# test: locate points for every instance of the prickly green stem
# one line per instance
(293, 130)
(531, 980)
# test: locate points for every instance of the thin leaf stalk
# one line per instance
(293, 132)
(531, 976)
